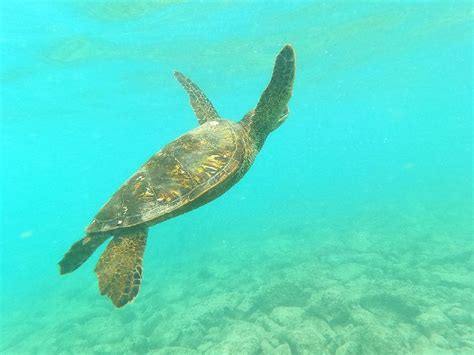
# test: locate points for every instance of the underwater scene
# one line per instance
(351, 232)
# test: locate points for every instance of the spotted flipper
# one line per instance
(201, 105)
(120, 267)
(79, 252)
(273, 102)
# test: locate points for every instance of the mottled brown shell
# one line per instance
(180, 177)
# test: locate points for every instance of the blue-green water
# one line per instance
(352, 232)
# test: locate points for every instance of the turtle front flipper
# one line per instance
(79, 252)
(119, 268)
(272, 108)
(201, 105)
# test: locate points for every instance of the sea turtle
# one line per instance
(192, 170)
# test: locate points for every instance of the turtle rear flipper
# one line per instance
(119, 268)
(79, 252)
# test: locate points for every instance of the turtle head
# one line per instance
(272, 108)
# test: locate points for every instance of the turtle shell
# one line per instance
(188, 172)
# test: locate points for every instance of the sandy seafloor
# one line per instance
(364, 288)
(351, 234)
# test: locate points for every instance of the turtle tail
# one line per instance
(119, 268)
(79, 252)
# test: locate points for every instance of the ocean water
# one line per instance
(352, 232)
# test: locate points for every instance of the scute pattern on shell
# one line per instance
(176, 176)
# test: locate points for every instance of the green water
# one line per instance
(351, 233)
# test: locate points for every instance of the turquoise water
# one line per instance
(352, 232)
